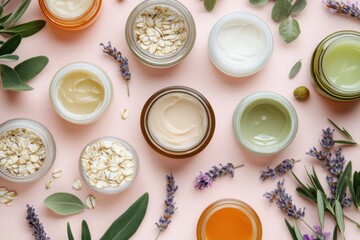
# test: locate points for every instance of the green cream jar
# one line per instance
(265, 123)
(335, 66)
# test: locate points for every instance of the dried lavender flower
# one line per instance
(320, 235)
(35, 224)
(123, 62)
(281, 169)
(347, 8)
(204, 180)
(284, 201)
(327, 140)
(170, 208)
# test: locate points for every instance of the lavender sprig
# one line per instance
(280, 170)
(123, 62)
(204, 180)
(170, 208)
(347, 8)
(35, 224)
(284, 201)
(320, 235)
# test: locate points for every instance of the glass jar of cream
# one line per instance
(335, 66)
(265, 123)
(229, 219)
(160, 33)
(177, 121)
(27, 150)
(71, 14)
(240, 44)
(81, 92)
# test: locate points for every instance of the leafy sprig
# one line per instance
(350, 140)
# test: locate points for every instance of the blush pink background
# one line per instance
(196, 71)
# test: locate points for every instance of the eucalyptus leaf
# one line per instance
(9, 57)
(297, 232)
(341, 185)
(127, 224)
(281, 10)
(10, 45)
(291, 229)
(31, 67)
(69, 232)
(64, 203)
(289, 30)
(85, 232)
(25, 29)
(258, 2)
(321, 209)
(11, 80)
(339, 215)
(295, 69)
(17, 14)
(209, 5)
(298, 6)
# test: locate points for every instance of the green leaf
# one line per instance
(11, 80)
(209, 5)
(289, 30)
(339, 215)
(127, 224)
(321, 209)
(356, 184)
(298, 6)
(4, 19)
(1, 10)
(10, 45)
(335, 233)
(9, 57)
(297, 232)
(291, 229)
(306, 194)
(352, 192)
(17, 14)
(342, 130)
(281, 10)
(345, 142)
(69, 232)
(31, 67)
(258, 2)
(25, 29)
(315, 180)
(85, 232)
(64, 203)
(341, 185)
(295, 69)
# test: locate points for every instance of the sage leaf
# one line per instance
(339, 215)
(298, 6)
(341, 186)
(64, 203)
(11, 80)
(258, 2)
(127, 224)
(291, 229)
(17, 14)
(31, 67)
(321, 209)
(297, 232)
(69, 232)
(85, 232)
(25, 29)
(10, 45)
(289, 30)
(295, 69)
(209, 5)
(9, 57)
(281, 10)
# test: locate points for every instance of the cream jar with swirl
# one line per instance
(81, 92)
(177, 121)
(71, 14)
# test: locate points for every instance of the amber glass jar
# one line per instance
(74, 21)
(229, 219)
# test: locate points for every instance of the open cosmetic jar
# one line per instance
(177, 121)
(335, 66)
(240, 44)
(27, 150)
(108, 165)
(160, 33)
(71, 14)
(265, 123)
(229, 219)
(81, 92)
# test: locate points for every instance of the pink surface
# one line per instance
(195, 71)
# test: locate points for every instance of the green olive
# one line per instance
(301, 93)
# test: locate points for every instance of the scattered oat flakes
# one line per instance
(77, 184)
(57, 173)
(124, 114)
(48, 184)
(7, 197)
(90, 202)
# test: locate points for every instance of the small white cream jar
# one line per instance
(81, 92)
(240, 44)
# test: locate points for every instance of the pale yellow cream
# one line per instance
(80, 92)
(68, 9)
(177, 121)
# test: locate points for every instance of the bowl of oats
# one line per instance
(27, 150)
(108, 165)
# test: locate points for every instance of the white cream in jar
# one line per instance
(240, 44)
(178, 121)
(68, 9)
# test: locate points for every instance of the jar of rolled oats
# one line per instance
(160, 33)
(27, 150)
